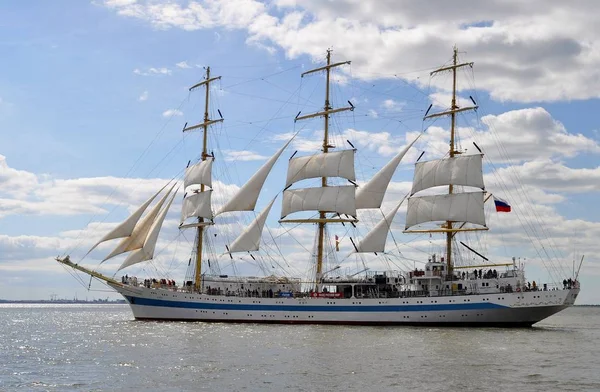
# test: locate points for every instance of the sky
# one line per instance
(94, 97)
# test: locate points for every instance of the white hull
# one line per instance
(502, 309)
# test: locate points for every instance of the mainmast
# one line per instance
(452, 112)
(204, 125)
(327, 110)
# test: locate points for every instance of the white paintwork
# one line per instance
(525, 307)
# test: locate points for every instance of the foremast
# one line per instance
(327, 111)
(454, 109)
(204, 125)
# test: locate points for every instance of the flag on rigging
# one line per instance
(501, 205)
(337, 243)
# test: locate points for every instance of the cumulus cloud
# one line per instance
(183, 64)
(153, 71)
(523, 52)
(172, 112)
(243, 155)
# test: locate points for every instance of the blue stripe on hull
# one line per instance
(311, 308)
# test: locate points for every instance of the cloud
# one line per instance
(243, 155)
(183, 64)
(172, 112)
(554, 176)
(143, 96)
(153, 71)
(392, 106)
(524, 54)
(509, 137)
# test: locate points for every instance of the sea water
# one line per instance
(101, 348)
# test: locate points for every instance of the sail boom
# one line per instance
(202, 125)
(457, 110)
(202, 83)
(326, 67)
(450, 67)
(323, 113)
(197, 224)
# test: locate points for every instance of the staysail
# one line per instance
(245, 199)
(146, 252)
(125, 228)
(371, 194)
(374, 241)
(249, 239)
(140, 231)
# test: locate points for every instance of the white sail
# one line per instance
(455, 207)
(333, 164)
(338, 199)
(200, 173)
(146, 252)
(371, 194)
(249, 240)
(245, 199)
(374, 241)
(462, 170)
(197, 204)
(126, 227)
(140, 232)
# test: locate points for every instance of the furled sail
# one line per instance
(197, 204)
(371, 194)
(126, 227)
(455, 207)
(146, 252)
(464, 170)
(333, 164)
(140, 231)
(249, 240)
(245, 199)
(374, 241)
(200, 173)
(338, 199)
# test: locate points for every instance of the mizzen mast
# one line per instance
(327, 110)
(454, 109)
(204, 125)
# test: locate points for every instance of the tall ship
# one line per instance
(448, 198)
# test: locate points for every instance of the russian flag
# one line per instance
(501, 205)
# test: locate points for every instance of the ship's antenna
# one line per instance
(204, 125)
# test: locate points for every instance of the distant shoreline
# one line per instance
(63, 301)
